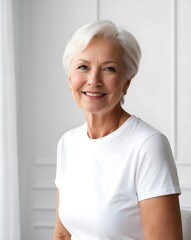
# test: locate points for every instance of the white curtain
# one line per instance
(9, 194)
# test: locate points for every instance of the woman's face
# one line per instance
(98, 76)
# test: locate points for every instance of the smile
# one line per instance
(94, 94)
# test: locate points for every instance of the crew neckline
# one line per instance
(110, 135)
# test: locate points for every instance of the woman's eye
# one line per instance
(110, 69)
(83, 67)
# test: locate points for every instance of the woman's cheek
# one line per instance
(77, 82)
(113, 83)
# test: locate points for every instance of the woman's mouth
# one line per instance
(94, 94)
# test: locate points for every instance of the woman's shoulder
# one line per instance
(141, 132)
(73, 133)
(141, 128)
(149, 137)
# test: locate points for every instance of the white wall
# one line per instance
(159, 94)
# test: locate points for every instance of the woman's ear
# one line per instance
(127, 84)
(69, 81)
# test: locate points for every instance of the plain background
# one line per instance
(159, 94)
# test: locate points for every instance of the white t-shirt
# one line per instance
(101, 181)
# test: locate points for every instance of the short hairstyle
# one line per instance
(107, 30)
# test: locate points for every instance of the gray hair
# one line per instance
(107, 30)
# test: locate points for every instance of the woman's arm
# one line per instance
(161, 218)
(60, 232)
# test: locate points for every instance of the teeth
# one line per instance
(94, 94)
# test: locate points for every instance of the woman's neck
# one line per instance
(100, 125)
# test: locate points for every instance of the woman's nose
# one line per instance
(94, 79)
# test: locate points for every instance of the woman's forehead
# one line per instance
(102, 48)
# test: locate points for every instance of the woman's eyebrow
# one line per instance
(106, 62)
(110, 61)
(82, 60)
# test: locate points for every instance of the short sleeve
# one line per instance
(156, 170)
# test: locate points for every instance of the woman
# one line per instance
(116, 176)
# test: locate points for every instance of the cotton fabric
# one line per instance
(101, 181)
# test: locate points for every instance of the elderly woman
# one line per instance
(116, 177)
